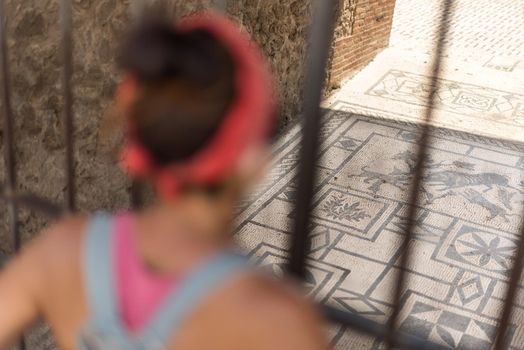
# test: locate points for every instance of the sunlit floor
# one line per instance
(481, 89)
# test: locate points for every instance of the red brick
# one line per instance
(369, 36)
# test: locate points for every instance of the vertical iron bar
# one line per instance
(516, 272)
(9, 157)
(320, 39)
(10, 166)
(40, 204)
(422, 153)
(67, 47)
(137, 11)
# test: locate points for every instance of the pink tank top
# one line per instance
(139, 292)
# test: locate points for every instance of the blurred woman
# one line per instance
(197, 111)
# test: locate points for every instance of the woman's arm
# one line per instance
(26, 280)
(18, 295)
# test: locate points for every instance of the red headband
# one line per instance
(248, 120)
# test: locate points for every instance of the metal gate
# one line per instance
(320, 37)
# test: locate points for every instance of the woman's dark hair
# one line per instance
(186, 84)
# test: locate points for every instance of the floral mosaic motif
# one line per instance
(486, 250)
(337, 208)
(480, 251)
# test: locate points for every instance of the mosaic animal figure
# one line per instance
(494, 210)
(397, 178)
(440, 181)
(449, 179)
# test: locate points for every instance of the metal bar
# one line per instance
(511, 292)
(10, 166)
(422, 153)
(137, 12)
(320, 38)
(361, 324)
(9, 157)
(67, 47)
(31, 201)
(39, 204)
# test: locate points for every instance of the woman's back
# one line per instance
(248, 311)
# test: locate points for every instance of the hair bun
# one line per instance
(155, 51)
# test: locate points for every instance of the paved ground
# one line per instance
(473, 191)
(482, 85)
(479, 29)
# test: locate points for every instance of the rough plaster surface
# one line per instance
(34, 37)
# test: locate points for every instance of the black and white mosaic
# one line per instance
(465, 235)
(452, 96)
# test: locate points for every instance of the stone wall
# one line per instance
(280, 27)
(363, 31)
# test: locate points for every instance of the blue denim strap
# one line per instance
(98, 274)
(190, 294)
(105, 325)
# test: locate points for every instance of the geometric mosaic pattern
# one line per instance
(465, 233)
(452, 328)
(451, 96)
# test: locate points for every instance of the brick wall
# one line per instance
(362, 31)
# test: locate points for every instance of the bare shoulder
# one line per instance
(67, 232)
(285, 318)
(42, 261)
(57, 244)
(69, 227)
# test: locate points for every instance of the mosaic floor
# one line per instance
(473, 193)
(472, 199)
(469, 97)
